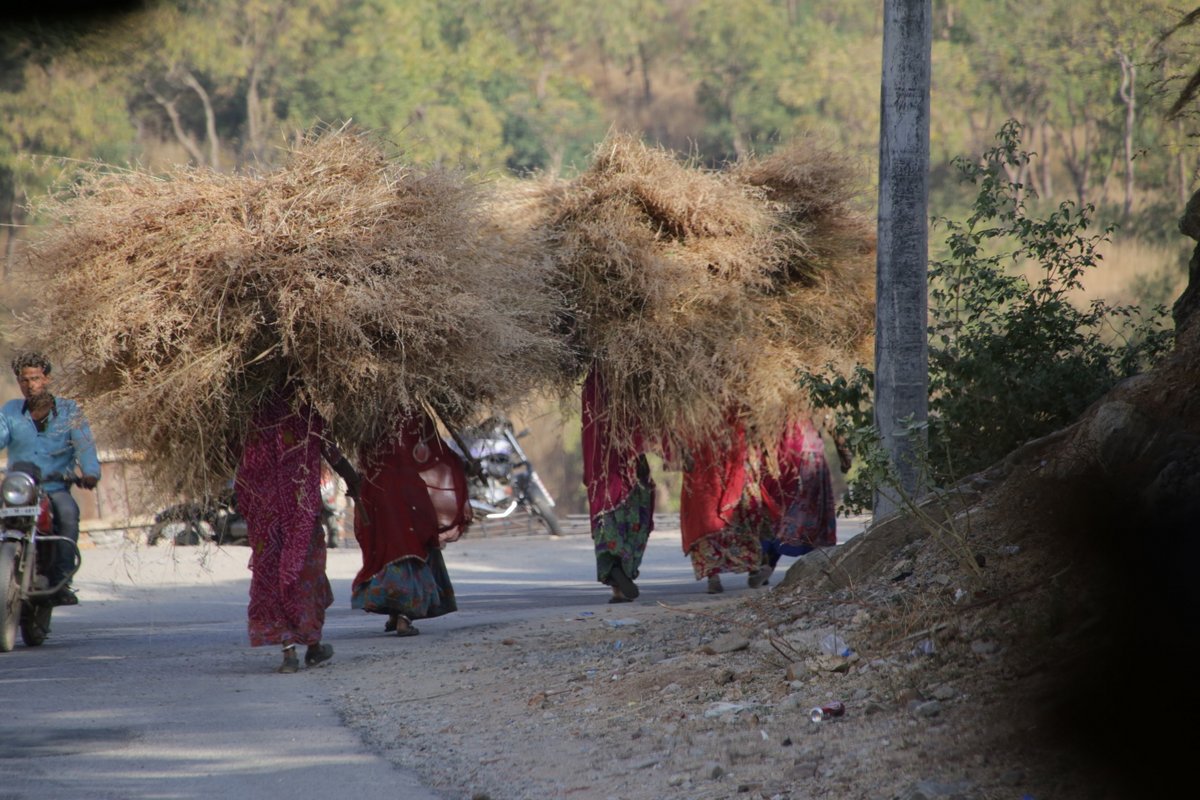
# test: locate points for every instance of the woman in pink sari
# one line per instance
(620, 496)
(797, 512)
(279, 494)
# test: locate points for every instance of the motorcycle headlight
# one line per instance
(18, 489)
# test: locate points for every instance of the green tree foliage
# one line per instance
(1012, 358)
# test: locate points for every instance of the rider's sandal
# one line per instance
(317, 654)
(291, 662)
(404, 627)
(390, 625)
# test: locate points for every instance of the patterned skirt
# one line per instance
(409, 586)
(734, 548)
(620, 535)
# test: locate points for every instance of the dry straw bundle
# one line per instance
(822, 306)
(695, 292)
(658, 260)
(177, 303)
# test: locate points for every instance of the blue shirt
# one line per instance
(66, 441)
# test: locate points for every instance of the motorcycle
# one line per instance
(211, 519)
(502, 479)
(27, 544)
(330, 513)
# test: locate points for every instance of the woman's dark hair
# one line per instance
(30, 359)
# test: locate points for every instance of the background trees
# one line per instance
(527, 85)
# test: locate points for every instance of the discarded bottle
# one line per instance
(835, 645)
(834, 708)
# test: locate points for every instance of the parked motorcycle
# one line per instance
(503, 479)
(212, 519)
(27, 546)
(330, 513)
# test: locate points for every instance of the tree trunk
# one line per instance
(1185, 174)
(210, 118)
(1047, 188)
(182, 135)
(1128, 94)
(901, 340)
(254, 115)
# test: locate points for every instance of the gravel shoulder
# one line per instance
(694, 696)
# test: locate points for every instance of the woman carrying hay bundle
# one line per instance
(795, 512)
(279, 494)
(715, 536)
(412, 503)
(620, 496)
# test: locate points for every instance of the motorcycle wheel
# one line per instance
(35, 624)
(180, 533)
(540, 507)
(10, 612)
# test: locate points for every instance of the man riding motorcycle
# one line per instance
(51, 433)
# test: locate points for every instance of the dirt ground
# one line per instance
(971, 675)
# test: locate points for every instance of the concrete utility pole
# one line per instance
(901, 282)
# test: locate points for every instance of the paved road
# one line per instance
(149, 689)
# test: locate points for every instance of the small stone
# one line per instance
(985, 647)
(872, 708)
(930, 708)
(722, 677)
(792, 702)
(728, 643)
(712, 771)
(800, 771)
(508, 642)
(945, 692)
(676, 780)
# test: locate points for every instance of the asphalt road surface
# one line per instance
(149, 689)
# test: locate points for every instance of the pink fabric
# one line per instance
(712, 488)
(279, 494)
(799, 501)
(609, 473)
(800, 436)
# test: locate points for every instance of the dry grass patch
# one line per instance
(175, 303)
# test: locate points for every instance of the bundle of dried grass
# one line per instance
(694, 292)
(177, 303)
(658, 261)
(821, 307)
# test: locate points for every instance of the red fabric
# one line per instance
(712, 488)
(799, 437)
(278, 491)
(413, 498)
(798, 501)
(609, 472)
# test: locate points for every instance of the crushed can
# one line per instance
(834, 708)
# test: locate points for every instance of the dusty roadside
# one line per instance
(711, 698)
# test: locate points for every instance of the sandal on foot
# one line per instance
(291, 663)
(318, 653)
(714, 584)
(618, 598)
(390, 625)
(404, 627)
(623, 583)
